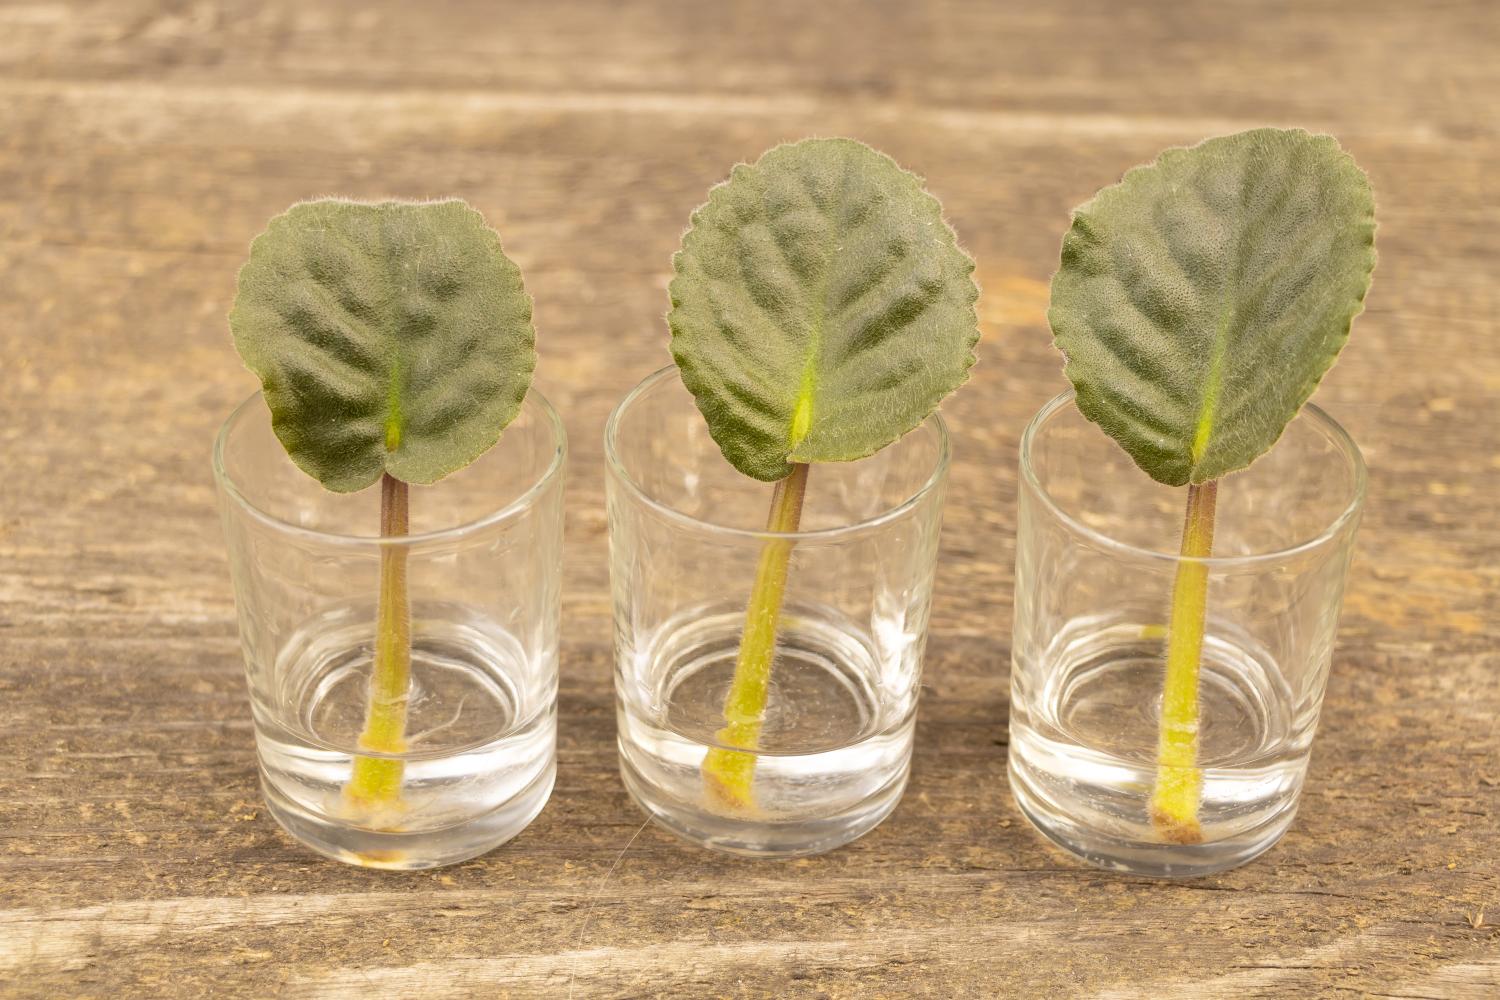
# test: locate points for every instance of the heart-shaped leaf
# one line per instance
(1202, 298)
(392, 337)
(821, 307)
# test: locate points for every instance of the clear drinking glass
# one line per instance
(1096, 556)
(686, 532)
(482, 563)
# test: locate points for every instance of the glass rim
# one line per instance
(617, 469)
(1335, 526)
(522, 502)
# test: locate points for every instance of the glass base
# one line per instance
(1140, 857)
(836, 756)
(761, 838)
(408, 851)
(1083, 750)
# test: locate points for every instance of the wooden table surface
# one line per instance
(142, 145)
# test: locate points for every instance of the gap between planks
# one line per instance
(434, 108)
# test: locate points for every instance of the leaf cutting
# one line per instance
(394, 344)
(1198, 303)
(821, 309)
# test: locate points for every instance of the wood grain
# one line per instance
(143, 144)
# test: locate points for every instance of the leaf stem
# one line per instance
(1179, 782)
(728, 774)
(375, 784)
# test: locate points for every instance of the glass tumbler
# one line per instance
(482, 561)
(832, 743)
(1096, 563)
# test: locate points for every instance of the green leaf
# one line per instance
(821, 307)
(1202, 298)
(392, 337)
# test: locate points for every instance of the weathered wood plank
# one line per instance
(143, 144)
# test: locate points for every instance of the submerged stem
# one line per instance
(1179, 782)
(728, 774)
(376, 781)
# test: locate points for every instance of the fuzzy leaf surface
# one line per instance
(392, 337)
(821, 307)
(1202, 299)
